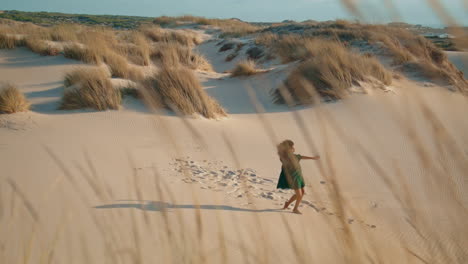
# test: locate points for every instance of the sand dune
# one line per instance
(115, 161)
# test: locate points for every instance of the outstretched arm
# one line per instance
(312, 158)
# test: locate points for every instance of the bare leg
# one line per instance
(298, 201)
(292, 199)
(303, 192)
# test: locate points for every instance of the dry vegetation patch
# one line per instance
(183, 37)
(8, 41)
(41, 47)
(140, 52)
(289, 47)
(119, 66)
(117, 49)
(89, 88)
(81, 73)
(407, 50)
(65, 32)
(229, 27)
(245, 68)
(173, 55)
(12, 100)
(79, 52)
(179, 89)
(330, 73)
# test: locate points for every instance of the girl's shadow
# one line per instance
(159, 206)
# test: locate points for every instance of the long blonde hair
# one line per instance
(286, 155)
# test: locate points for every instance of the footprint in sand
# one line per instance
(238, 183)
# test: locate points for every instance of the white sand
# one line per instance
(127, 146)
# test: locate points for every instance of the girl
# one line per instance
(291, 173)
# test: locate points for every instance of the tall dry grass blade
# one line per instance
(137, 256)
(412, 253)
(259, 230)
(237, 163)
(446, 141)
(47, 255)
(333, 189)
(299, 253)
(91, 182)
(222, 241)
(352, 8)
(270, 132)
(108, 236)
(84, 249)
(95, 175)
(351, 252)
(394, 13)
(260, 113)
(28, 248)
(170, 235)
(442, 12)
(136, 184)
(2, 204)
(425, 159)
(26, 202)
(13, 202)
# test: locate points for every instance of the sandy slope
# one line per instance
(126, 147)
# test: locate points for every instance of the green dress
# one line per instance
(296, 181)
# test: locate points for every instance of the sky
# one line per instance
(375, 11)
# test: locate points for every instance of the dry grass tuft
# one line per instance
(266, 39)
(183, 37)
(290, 47)
(140, 52)
(119, 66)
(8, 41)
(77, 75)
(446, 74)
(64, 32)
(331, 72)
(244, 68)
(89, 88)
(173, 55)
(12, 100)
(41, 47)
(180, 90)
(81, 53)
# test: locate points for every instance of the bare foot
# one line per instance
(286, 205)
(296, 211)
